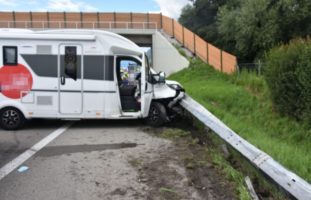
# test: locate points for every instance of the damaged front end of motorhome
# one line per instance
(80, 74)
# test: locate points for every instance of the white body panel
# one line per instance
(85, 97)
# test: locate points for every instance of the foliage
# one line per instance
(288, 74)
(248, 28)
(201, 18)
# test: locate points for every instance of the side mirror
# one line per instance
(157, 78)
(162, 76)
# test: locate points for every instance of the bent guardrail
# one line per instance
(291, 182)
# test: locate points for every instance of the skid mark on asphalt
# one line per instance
(68, 149)
(12, 165)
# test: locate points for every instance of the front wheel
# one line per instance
(11, 118)
(157, 114)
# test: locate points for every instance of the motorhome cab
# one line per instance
(79, 74)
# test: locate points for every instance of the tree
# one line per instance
(201, 18)
(249, 26)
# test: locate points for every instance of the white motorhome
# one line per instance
(79, 74)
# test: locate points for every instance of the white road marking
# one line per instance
(12, 165)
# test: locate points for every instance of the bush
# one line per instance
(288, 75)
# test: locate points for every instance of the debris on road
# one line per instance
(22, 169)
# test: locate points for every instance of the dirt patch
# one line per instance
(181, 171)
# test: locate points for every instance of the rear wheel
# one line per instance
(11, 118)
(157, 114)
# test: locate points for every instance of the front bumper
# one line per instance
(180, 96)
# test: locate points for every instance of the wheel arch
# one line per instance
(15, 105)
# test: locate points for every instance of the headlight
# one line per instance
(176, 87)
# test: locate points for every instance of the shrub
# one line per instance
(288, 75)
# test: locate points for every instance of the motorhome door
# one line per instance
(70, 76)
(147, 88)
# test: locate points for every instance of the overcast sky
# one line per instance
(170, 8)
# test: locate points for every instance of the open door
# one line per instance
(129, 83)
(147, 87)
(70, 85)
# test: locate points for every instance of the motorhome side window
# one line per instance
(9, 55)
(129, 71)
(71, 62)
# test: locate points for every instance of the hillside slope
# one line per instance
(243, 103)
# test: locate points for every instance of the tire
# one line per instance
(11, 118)
(157, 115)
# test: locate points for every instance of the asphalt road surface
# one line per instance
(92, 160)
(89, 160)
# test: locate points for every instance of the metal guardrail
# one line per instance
(292, 183)
(78, 24)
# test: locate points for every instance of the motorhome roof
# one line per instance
(15, 30)
(116, 43)
(35, 36)
(83, 32)
(115, 40)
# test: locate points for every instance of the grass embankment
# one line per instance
(243, 103)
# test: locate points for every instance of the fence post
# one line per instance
(97, 17)
(114, 19)
(237, 68)
(183, 35)
(259, 67)
(14, 21)
(48, 18)
(131, 18)
(148, 20)
(194, 44)
(207, 53)
(65, 20)
(81, 19)
(161, 21)
(30, 16)
(173, 27)
(221, 63)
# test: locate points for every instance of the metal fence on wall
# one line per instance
(219, 59)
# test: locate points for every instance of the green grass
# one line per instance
(243, 103)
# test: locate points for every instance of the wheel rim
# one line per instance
(10, 118)
(154, 114)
